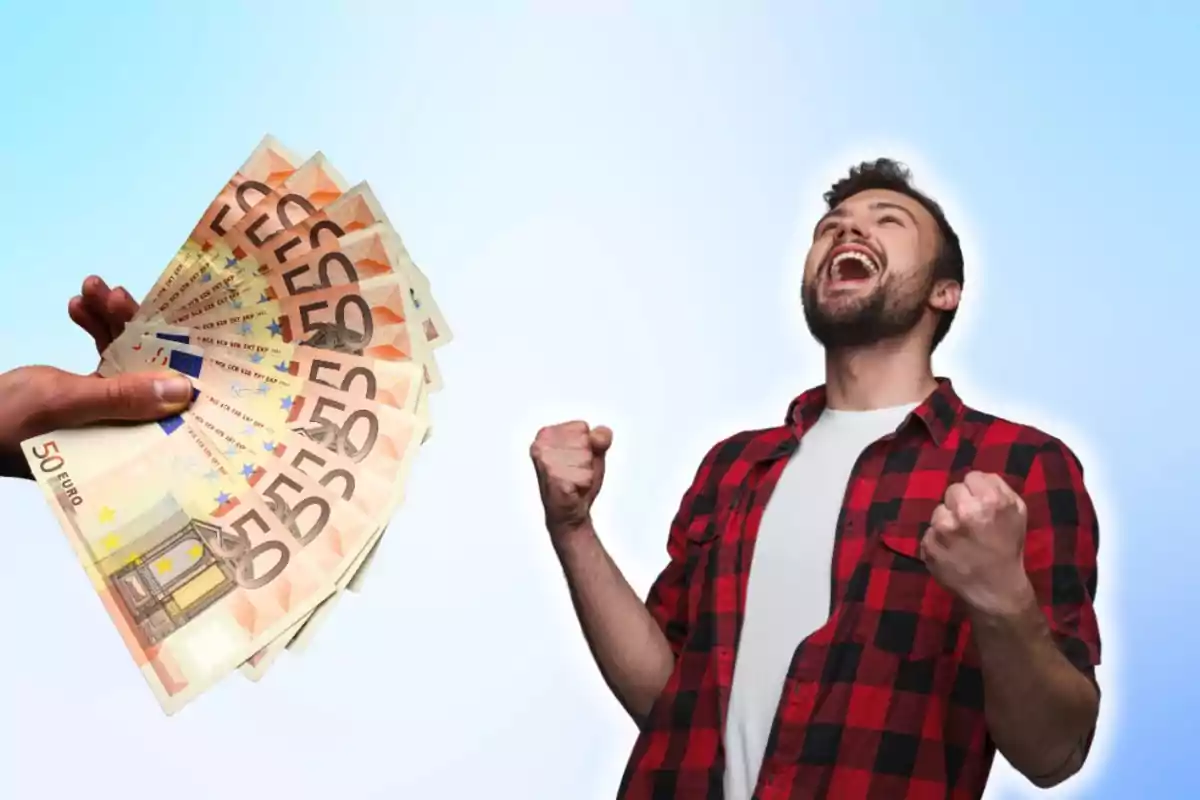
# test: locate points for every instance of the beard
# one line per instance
(889, 311)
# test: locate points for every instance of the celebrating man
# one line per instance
(870, 599)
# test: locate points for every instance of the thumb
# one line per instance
(600, 439)
(132, 397)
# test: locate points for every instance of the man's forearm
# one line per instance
(1040, 709)
(633, 654)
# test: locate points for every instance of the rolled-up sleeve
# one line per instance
(667, 599)
(1060, 552)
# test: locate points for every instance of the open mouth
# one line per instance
(852, 265)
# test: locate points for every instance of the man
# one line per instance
(34, 400)
(870, 599)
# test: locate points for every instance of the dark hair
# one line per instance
(884, 173)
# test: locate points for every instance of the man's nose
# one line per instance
(850, 229)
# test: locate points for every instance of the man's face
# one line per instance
(869, 273)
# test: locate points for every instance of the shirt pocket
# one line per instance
(896, 605)
(706, 530)
(704, 563)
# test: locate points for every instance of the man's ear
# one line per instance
(945, 295)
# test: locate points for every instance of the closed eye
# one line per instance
(890, 218)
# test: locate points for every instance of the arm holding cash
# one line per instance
(280, 366)
(37, 399)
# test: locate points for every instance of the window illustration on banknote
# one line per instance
(173, 579)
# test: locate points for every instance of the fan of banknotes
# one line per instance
(218, 538)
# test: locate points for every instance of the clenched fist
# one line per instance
(569, 461)
(975, 544)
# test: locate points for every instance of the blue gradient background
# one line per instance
(609, 198)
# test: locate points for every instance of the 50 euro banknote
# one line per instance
(233, 254)
(398, 384)
(255, 445)
(338, 532)
(347, 241)
(194, 570)
(355, 210)
(376, 437)
(260, 447)
(269, 165)
(236, 424)
(369, 253)
(373, 318)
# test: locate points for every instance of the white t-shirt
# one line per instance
(788, 594)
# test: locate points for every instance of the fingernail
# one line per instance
(173, 391)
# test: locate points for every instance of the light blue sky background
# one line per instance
(606, 196)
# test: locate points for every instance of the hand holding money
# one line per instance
(282, 363)
(34, 400)
(102, 312)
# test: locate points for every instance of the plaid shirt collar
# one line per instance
(939, 412)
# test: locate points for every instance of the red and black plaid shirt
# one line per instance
(886, 700)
